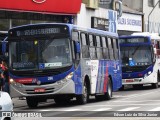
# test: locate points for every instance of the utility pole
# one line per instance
(151, 13)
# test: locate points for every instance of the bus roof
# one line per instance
(143, 34)
(152, 35)
(92, 30)
(76, 27)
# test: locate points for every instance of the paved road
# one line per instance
(130, 102)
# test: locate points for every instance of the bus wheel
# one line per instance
(99, 97)
(32, 102)
(155, 85)
(84, 97)
(121, 88)
(108, 94)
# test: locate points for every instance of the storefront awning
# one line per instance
(42, 6)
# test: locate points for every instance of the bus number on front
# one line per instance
(50, 78)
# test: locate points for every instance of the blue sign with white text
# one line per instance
(112, 15)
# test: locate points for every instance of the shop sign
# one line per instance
(130, 22)
(99, 23)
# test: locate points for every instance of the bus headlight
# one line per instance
(66, 79)
(69, 76)
(12, 81)
(149, 72)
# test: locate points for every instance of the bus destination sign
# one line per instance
(35, 30)
(133, 40)
(32, 32)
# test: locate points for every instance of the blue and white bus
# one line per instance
(62, 61)
(140, 54)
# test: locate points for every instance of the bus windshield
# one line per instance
(136, 55)
(40, 54)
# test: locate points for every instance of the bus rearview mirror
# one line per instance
(77, 47)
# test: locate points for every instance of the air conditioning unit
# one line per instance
(93, 4)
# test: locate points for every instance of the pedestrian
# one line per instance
(1, 82)
(1, 79)
(4, 75)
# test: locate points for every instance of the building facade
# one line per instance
(131, 21)
(97, 14)
(14, 13)
(150, 9)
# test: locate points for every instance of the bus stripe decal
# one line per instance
(105, 79)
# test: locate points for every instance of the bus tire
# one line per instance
(158, 76)
(84, 97)
(32, 102)
(99, 97)
(7, 118)
(121, 88)
(155, 85)
(108, 94)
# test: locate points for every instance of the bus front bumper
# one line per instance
(136, 81)
(58, 88)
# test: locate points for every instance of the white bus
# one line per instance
(140, 54)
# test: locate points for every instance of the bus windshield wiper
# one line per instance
(135, 50)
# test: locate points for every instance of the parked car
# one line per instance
(6, 106)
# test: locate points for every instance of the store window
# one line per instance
(4, 24)
(16, 22)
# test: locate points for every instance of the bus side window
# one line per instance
(105, 48)
(84, 41)
(75, 38)
(115, 47)
(110, 46)
(99, 47)
(92, 49)
(118, 48)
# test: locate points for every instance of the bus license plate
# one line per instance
(39, 90)
(130, 80)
